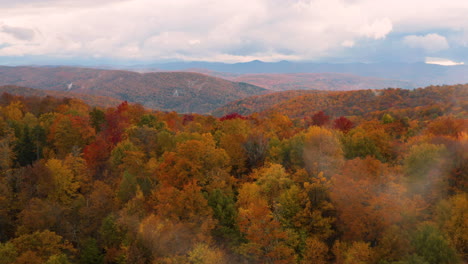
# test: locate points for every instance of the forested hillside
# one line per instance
(422, 102)
(126, 185)
(92, 100)
(166, 91)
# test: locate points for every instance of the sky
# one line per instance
(149, 31)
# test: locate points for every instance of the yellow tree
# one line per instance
(317, 214)
(37, 247)
(204, 254)
(64, 185)
(74, 107)
(357, 252)
(279, 125)
(231, 135)
(68, 133)
(14, 111)
(266, 239)
(322, 151)
(315, 251)
(272, 179)
(452, 216)
(193, 159)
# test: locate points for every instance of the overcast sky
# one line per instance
(54, 31)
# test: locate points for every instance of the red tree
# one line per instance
(116, 122)
(342, 123)
(320, 119)
(232, 116)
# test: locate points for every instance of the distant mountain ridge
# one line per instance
(168, 91)
(310, 81)
(420, 74)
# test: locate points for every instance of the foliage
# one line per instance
(385, 183)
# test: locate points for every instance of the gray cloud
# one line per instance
(18, 32)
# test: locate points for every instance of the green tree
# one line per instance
(25, 148)
(97, 119)
(429, 243)
(387, 119)
(127, 188)
(224, 211)
(90, 253)
(58, 259)
(110, 233)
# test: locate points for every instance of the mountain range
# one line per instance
(418, 74)
(310, 81)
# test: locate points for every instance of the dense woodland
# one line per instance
(421, 103)
(128, 185)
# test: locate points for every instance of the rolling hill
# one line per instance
(429, 101)
(168, 91)
(92, 100)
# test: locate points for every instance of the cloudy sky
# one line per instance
(130, 31)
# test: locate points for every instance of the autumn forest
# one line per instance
(296, 177)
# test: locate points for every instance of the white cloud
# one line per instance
(429, 42)
(442, 61)
(377, 29)
(194, 41)
(215, 29)
(347, 43)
